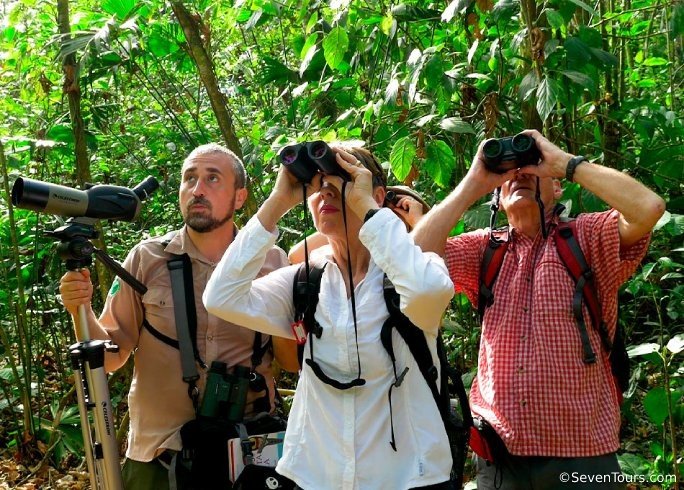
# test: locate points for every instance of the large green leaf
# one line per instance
(456, 125)
(439, 162)
(581, 79)
(547, 97)
(402, 156)
(335, 45)
(120, 8)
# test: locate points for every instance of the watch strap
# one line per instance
(572, 165)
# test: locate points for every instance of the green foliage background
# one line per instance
(421, 82)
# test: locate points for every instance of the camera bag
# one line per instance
(306, 290)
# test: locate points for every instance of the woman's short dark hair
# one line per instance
(371, 163)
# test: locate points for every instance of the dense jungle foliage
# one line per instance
(115, 90)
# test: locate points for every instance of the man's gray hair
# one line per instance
(238, 167)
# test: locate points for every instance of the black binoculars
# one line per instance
(504, 154)
(305, 160)
(226, 393)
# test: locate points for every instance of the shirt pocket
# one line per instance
(159, 311)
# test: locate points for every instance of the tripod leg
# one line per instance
(105, 432)
(85, 425)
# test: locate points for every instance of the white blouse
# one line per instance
(339, 439)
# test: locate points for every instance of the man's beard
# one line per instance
(205, 223)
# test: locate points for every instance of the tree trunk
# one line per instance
(205, 67)
(73, 92)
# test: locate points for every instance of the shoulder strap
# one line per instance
(180, 269)
(575, 262)
(416, 341)
(305, 293)
(492, 260)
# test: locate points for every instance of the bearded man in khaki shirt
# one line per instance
(212, 188)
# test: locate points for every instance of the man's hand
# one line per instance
(480, 180)
(75, 289)
(553, 160)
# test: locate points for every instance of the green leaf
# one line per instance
(655, 404)
(456, 125)
(581, 79)
(547, 97)
(655, 61)
(313, 20)
(676, 343)
(120, 8)
(578, 51)
(335, 46)
(607, 59)
(528, 85)
(387, 23)
(584, 6)
(642, 349)
(401, 157)
(633, 464)
(554, 17)
(439, 162)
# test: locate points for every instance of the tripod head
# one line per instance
(75, 247)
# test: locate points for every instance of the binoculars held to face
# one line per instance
(504, 154)
(305, 160)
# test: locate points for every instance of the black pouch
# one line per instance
(495, 451)
(203, 462)
(255, 477)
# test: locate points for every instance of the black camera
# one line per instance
(504, 154)
(226, 393)
(98, 201)
(305, 160)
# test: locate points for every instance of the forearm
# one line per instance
(431, 232)
(639, 207)
(421, 279)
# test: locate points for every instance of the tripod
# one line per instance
(87, 360)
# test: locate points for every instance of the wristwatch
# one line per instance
(572, 165)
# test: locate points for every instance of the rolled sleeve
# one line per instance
(233, 293)
(420, 278)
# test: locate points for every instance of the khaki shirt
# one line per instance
(158, 398)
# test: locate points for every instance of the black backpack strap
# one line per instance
(416, 341)
(492, 260)
(305, 294)
(180, 269)
(160, 336)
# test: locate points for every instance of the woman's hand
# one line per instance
(358, 192)
(286, 194)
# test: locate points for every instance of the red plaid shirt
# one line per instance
(532, 385)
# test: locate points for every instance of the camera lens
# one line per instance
(521, 142)
(492, 148)
(288, 155)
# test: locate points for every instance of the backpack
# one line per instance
(585, 291)
(306, 288)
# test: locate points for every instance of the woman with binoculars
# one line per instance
(343, 431)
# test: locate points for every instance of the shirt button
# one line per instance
(523, 403)
(520, 369)
(525, 309)
(523, 337)
(210, 338)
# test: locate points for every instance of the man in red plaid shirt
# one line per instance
(557, 416)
